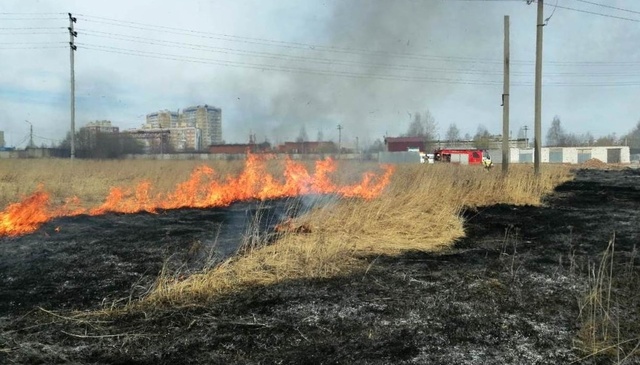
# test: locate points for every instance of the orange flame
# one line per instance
(201, 190)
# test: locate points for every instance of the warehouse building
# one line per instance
(568, 155)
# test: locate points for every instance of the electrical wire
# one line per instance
(387, 77)
(278, 43)
(264, 67)
(31, 28)
(232, 51)
(609, 6)
(315, 47)
(331, 62)
(33, 13)
(41, 47)
(596, 13)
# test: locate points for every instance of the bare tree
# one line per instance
(482, 138)
(302, 136)
(633, 137)
(556, 136)
(453, 133)
(416, 127)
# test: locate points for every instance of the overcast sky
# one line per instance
(276, 66)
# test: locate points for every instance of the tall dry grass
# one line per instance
(91, 180)
(420, 210)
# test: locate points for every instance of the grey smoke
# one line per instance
(367, 107)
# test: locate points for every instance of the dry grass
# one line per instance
(90, 180)
(605, 329)
(420, 210)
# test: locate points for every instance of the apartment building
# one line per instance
(207, 119)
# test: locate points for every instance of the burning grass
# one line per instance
(416, 208)
(205, 188)
(420, 210)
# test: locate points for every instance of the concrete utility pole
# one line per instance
(73, 47)
(505, 100)
(31, 145)
(538, 86)
(339, 139)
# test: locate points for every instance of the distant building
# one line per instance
(567, 155)
(401, 144)
(168, 140)
(1, 139)
(307, 147)
(185, 138)
(240, 148)
(206, 118)
(102, 126)
(162, 119)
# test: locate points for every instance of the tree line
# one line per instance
(424, 125)
(102, 145)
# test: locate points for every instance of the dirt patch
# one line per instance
(593, 163)
(511, 292)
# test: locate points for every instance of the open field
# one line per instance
(449, 265)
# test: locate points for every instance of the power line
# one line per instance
(386, 77)
(319, 48)
(232, 51)
(32, 13)
(264, 67)
(29, 33)
(277, 43)
(609, 6)
(324, 61)
(41, 47)
(47, 18)
(21, 43)
(596, 13)
(31, 28)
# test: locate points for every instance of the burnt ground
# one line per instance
(512, 292)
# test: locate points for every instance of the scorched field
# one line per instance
(274, 261)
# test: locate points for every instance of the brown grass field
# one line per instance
(419, 210)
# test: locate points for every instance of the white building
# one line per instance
(569, 155)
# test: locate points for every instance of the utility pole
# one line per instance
(538, 87)
(72, 48)
(505, 100)
(31, 145)
(339, 139)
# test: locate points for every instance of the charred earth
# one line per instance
(527, 285)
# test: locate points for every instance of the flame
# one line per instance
(203, 189)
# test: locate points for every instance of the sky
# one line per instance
(276, 67)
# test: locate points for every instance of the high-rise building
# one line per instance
(161, 119)
(102, 126)
(1, 139)
(207, 119)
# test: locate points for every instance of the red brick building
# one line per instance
(400, 144)
(239, 148)
(308, 147)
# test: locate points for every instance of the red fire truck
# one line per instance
(460, 156)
